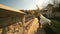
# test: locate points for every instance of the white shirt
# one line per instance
(44, 20)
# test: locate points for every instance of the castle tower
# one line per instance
(38, 9)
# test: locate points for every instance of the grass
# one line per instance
(54, 28)
(55, 25)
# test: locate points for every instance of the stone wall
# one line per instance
(14, 25)
(12, 29)
(11, 25)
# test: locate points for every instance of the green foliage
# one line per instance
(55, 25)
(54, 28)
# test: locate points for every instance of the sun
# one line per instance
(42, 3)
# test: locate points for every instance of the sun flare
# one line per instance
(42, 3)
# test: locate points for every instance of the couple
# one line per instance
(42, 20)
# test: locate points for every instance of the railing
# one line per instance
(27, 22)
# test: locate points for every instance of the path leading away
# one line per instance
(35, 25)
(35, 28)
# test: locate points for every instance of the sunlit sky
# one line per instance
(25, 4)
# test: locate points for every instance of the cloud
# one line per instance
(44, 3)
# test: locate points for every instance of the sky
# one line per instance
(25, 4)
